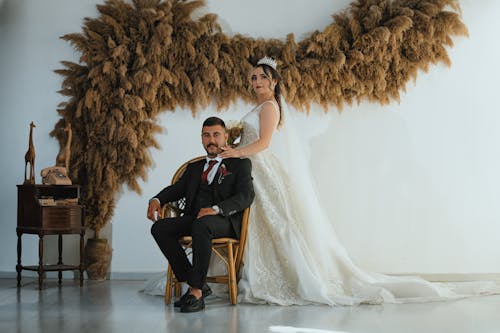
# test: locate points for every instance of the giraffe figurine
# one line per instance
(64, 155)
(30, 158)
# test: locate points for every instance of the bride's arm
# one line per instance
(268, 120)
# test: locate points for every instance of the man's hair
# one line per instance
(212, 121)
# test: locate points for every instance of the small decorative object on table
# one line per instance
(30, 158)
(55, 176)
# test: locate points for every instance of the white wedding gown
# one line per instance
(293, 255)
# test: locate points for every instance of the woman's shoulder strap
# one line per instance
(273, 102)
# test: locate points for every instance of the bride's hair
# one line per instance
(271, 75)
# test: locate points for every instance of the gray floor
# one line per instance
(117, 306)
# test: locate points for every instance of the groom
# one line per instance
(216, 191)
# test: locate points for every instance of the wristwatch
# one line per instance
(217, 209)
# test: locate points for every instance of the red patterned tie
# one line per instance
(204, 175)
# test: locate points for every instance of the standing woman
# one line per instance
(293, 254)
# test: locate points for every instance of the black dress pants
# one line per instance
(167, 232)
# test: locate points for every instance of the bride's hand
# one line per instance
(228, 152)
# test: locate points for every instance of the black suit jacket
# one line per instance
(233, 189)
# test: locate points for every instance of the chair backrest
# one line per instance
(180, 171)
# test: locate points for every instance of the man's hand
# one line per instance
(206, 211)
(153, 210)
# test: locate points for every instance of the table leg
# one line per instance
(82, 255)
(40, 261)
(18, 266)
(59, 261)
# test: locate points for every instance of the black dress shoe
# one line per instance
(192, 304)
(205, 292)
(181, 300)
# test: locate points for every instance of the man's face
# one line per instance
(212, 138)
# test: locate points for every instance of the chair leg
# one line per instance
(169, 285)
(177, 288)
(232, 286)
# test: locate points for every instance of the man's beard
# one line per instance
(209, 154)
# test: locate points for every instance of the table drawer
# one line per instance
(62, 217)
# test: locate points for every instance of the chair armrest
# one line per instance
(170, 209)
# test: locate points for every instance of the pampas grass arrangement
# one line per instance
(144, 57)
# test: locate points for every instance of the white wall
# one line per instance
(414, 186)
(30, 49)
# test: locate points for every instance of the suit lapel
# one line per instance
(197, 175)
(195, 179)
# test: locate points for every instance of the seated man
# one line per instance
(216, 191)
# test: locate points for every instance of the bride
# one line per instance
(293, 255)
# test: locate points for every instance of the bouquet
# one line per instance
(235, 130)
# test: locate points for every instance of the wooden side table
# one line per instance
(49, 210)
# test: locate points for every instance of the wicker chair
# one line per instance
(229, 250)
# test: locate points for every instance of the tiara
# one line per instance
(267, 61)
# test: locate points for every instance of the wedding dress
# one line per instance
(293, 256)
